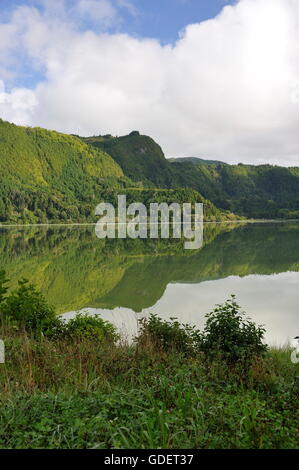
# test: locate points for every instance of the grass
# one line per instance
(82, 394)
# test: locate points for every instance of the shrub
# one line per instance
(54, 329)
(84, 326)
(168, 335)
(230, 335)
(28, 308)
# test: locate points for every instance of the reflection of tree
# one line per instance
(74, 269)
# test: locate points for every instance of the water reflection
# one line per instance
(269, 300)
(124, 280)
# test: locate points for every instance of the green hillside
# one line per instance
(140, 157)
(263, 191)
(252, 191)
(46, 176)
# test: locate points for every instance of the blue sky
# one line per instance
(160, 19)
(164, 19)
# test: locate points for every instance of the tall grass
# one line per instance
(87, 394)
(75, 385)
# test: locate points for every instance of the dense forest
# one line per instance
(51, 177)
(263, 191)
(46, 176)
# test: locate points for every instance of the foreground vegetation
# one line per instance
(175, 387)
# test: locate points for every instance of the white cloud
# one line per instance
(228, 89)
(18, 105)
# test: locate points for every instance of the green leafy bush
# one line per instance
(168, 335)
(84, 326)
(230, 335)
(28, 308)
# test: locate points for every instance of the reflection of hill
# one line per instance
(76, 270)
(251, 249)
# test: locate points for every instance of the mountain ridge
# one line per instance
(195, 161)
(47, 176)
(50, 177)
(262, 191)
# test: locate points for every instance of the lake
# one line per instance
(125, 280)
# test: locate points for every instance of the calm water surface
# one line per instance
(125, 280)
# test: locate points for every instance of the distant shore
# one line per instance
(93, 224)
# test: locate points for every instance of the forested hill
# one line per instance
(140, 157)
(43, 175)
(253, 191)
(46, 176)
(263, 191)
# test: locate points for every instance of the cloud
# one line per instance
(228, 89)
(17, 105)
(100, 11)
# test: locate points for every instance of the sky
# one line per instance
(209, 78)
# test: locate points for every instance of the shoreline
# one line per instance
(93, 224)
